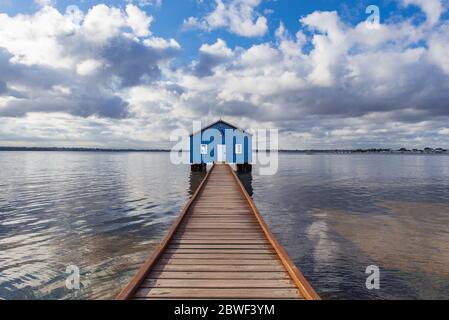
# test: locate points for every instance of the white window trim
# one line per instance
(238, 149)
(203, 149)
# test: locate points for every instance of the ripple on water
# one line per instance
(100, 212)
(335, 215)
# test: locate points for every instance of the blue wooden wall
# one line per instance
(225, 134)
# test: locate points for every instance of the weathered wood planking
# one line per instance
(219, 248)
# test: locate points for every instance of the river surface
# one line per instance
(336, 215)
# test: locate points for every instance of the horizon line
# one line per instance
(100, 149)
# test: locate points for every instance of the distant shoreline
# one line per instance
(335, 151)
(56, 149)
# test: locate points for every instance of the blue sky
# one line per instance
(312, 69)
(169, 17)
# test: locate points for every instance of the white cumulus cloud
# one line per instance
(102, 74)
(138, 20)
(238, 16)
(432, 8)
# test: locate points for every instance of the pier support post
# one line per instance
(244, 168)
(199, 167)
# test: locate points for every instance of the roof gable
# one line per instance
(222, 122)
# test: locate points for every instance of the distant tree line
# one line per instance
(79, 149)
(334, 151)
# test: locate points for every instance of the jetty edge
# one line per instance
(219, 247)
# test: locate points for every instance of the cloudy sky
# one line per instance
(126, 73)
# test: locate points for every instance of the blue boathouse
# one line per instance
(221, 142)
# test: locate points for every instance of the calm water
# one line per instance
(335, 215)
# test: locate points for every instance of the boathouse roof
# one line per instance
(221, 122)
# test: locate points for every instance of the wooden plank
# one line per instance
(218, 249)
(220, 204)
(217, 223)
(208, 293)
(215, 268)
(234, 204)
(219, 232)
(303, 285)
(215, 241)
(235, 225)
(200, 235)
(219, 220)
(221, 211)
(216, 283)
(133, 285)
(228, 214)
(208, 197)
(214, 219)
(223, 251)
(223, 198)
(218, 246)
(213, 226)
(218, 227)
(217, 206)
(217, 211)
(218, 275)
(207, 218)
(223, 236)
(214, 255)
(222, 261)
(210, 215)
(204, 218)
(212, 189)
(219, 235)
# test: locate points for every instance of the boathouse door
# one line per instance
(221, 153)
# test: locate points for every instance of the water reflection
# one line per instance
(247, 181)
(101, 212)
(196, 177)
(336, 215)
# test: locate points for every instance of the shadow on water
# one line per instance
(195, 181)
(247, 181)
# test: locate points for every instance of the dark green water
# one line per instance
(335, 215)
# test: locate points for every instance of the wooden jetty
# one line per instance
(219, 248)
